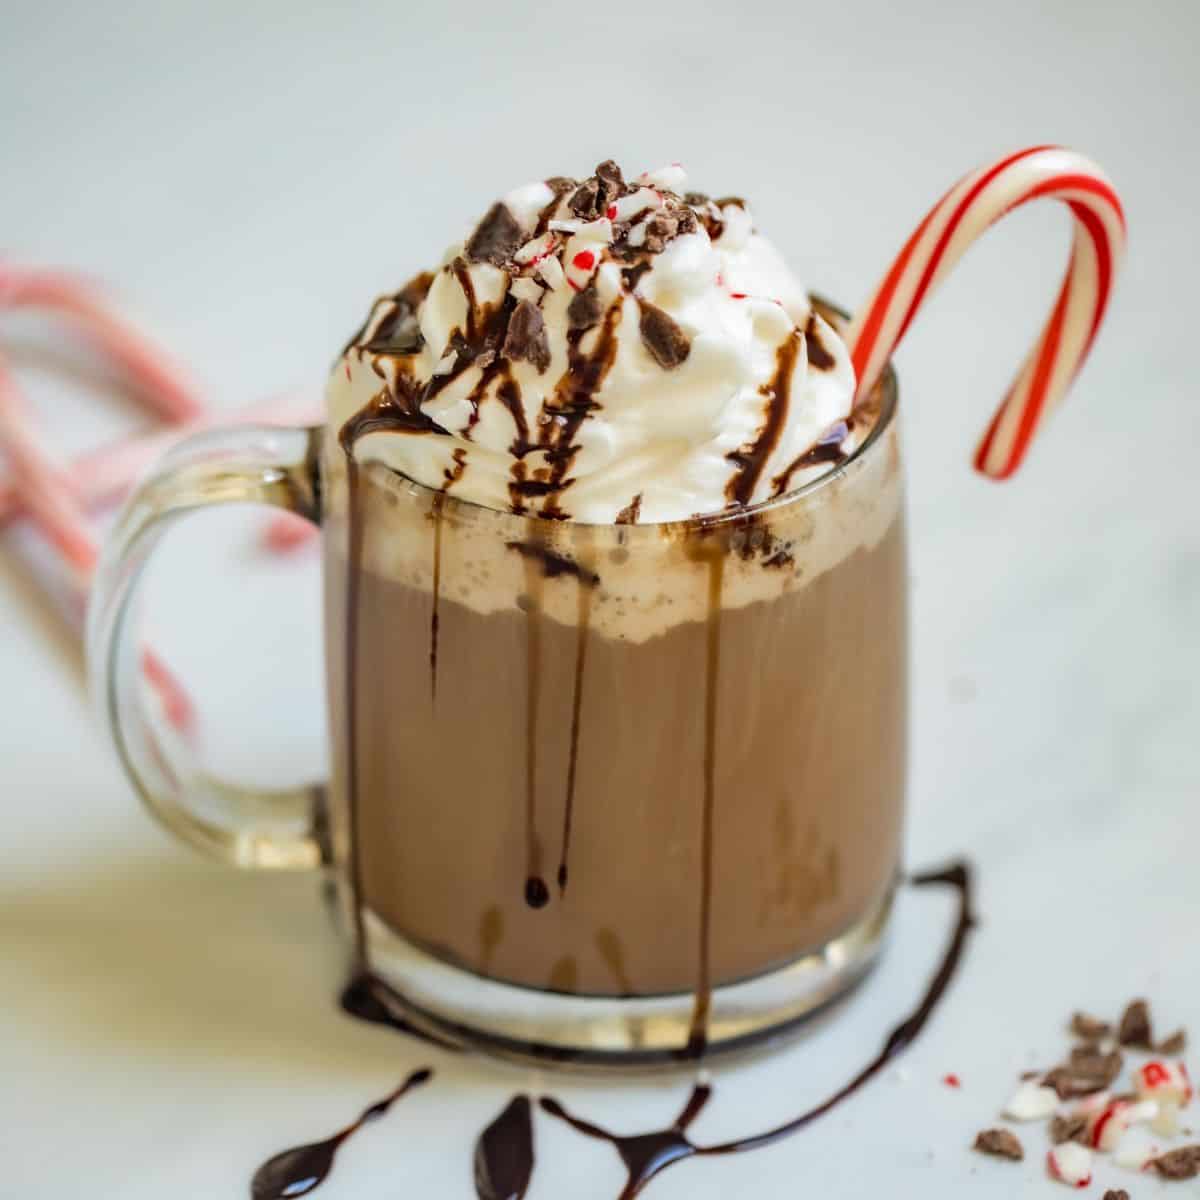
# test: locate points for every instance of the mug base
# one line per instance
(531, 1026)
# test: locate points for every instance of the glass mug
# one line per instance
(602, 794)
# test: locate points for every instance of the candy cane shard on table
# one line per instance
(971, 206)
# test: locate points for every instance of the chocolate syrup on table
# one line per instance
(504, 1153)
(298, 1171)
(647, 1154)
(370, 999)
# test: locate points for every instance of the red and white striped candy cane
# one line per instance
(962, 214)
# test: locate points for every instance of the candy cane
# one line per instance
(951, 226)
(100, 477)
(59, 519)
(162, 382)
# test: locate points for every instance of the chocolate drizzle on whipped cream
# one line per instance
(566, 401)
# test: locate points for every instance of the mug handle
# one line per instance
(242, 826)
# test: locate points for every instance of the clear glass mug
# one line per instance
(603, 794)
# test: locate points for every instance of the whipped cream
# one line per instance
(604, 351)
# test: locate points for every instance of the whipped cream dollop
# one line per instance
(603, 351)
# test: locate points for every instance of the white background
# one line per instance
(249, 176)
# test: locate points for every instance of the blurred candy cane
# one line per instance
(961, 216)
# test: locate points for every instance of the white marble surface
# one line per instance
(249, 175)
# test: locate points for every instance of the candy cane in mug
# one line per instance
(975, 203)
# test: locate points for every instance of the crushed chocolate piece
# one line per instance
(663, 338)
(725, 201)
(1116, 1194)
(496, 237)
(610, 177)
(781, 558)
(1174, 1045)
(630, 513)
(1086, 1072)
(1069, 1129)
(696, 199)
(1134, 1029)
(560, 185)
(1183, 1163)
(526, 336)
(1088, 1027)
(586, 202)
(1000, 1143)
(631, 276)
(660, 229)
(585, 308)
(818, 357)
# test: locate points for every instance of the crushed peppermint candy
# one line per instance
(1116, 1118)
(1071, 1164)
(550, 269)
(1031, 1102)
(1163, 1081)
(1130, 1125)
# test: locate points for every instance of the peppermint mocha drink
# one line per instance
(616, 579)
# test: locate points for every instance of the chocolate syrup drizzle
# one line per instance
(583, 616)
(698, 1033)
(537, 894)
(504, 1153)
(750, 460)
(646, 1155)
(298, 1171)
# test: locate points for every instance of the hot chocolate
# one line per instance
(615, 599)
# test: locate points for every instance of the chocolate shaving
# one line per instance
(1069, 1129)
(1086, 1073)
(496, 237)
(1089, 1028)
(631, 276)
(630, 513)
(1183, 1163)
(526, 336)
(818, 356)
(696, 199)
(586, 202)
(663, 227)
(585, 308)
(1134, 1029)
(1174, 1045)
(1116, 1194)
(725, 201)
(609, 175)
(999, 1143)
(663, 338)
